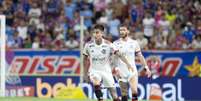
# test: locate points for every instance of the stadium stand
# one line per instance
(55, 24)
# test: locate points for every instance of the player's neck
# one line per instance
(124, 39)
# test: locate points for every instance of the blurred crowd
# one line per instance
(55, 24)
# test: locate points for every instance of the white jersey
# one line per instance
(99, 55)
(128, 49)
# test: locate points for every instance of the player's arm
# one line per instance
(86, 62)
(121, 56)
(143, 61)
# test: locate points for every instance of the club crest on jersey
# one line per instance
(103, 51)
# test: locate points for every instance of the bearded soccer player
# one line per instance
(129, 48)
(99, 52)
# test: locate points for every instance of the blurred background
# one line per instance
(43, 45)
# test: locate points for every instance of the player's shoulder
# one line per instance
(90, 43)
(133, 41)
(116, 41)
(107, 41)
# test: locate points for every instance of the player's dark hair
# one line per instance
(99, 26)
(123, 25)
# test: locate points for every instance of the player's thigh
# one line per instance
(95, 78)
(108, 80)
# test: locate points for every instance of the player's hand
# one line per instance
(148, 72)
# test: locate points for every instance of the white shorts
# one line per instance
(106, 77)
(125, 76)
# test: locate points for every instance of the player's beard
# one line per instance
(124, 36)
(98, 41)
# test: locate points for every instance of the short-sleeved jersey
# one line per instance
(99, 55)
(128, 49)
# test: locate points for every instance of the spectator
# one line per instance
(161, 44)
(113, 25)
(18, 40)
(88, 14)
(158, 14)
(76, 18)
(186, 45)
(69, 9)
(109, 11)
(103, 19)
(99, 6)
(36, 43)
(58, 28)
(171, 16)
(47, 41)
(22, 29)
(40, 25)
(196, 43)
(198, 26)
(164, 27)
(134, 14)
(118, 7)
(34, 14)
(27, 43)
(58, 42)
(8, 10)
(77, 28)
(189, 32)
(148, 24)
(143, 42)
(72, 43)
(53, 7)
(45, 19)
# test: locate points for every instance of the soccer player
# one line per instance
(129, 48)
(99, 52)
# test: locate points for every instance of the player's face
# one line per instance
(97, 34)
(123, 32)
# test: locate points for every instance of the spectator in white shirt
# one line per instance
(196, 43)
(148, 24)
(22, 29)
(36, 43)
(72, 43)
(164, 26)
(34, 14)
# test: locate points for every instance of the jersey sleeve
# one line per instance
(85, 50)
(137, 49)
(113, 48)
